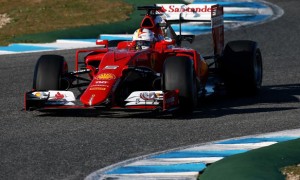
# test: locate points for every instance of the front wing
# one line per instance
(151, 100)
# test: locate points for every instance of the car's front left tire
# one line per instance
(49, 72)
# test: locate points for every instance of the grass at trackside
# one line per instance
(37, 16)
(291, 172)
(92, 31)
(263, 163)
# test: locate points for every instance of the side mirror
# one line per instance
(188, 38)
(168, 42)
(162, 25)
(102, 42)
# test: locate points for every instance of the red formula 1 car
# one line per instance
(152, 71)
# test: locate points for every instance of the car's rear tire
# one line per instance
(178, 73)
(49, 72)
(241, 66)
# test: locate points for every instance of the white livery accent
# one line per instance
(188, 12)
(144, 98)
(56, 97)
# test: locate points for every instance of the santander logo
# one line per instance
(194, 9)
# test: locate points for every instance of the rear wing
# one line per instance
(203, 13)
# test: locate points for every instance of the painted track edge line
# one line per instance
(96, 174)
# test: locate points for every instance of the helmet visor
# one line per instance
(143, 43)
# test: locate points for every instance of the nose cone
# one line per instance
(98, 90)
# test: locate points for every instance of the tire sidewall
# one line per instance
(48, 72)
(241, 67)
(178, 73)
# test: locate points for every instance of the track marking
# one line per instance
(187, 162)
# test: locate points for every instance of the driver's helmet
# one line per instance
(143, 38)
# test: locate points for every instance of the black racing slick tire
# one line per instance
(48, 73)
(178, 73)
(242, 67)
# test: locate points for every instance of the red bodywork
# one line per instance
(113, 61)
(107, 66)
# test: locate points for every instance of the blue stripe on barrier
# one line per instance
(111, 38)
(234, 4)
(192, 28)
(83, 40)
(257, 140)
(200, 29)
(24, 48)
(244, 17)
(198, 154)
(191, 167)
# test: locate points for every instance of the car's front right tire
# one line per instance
(178, 74)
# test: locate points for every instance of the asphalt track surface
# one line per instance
(71, 145)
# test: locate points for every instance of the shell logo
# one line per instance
(105, 76)
(38, 94)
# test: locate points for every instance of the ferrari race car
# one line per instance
(152, 71)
